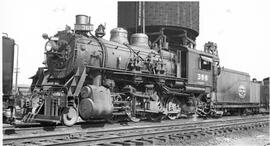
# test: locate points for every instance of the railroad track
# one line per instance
(35, 128)
(133, 135)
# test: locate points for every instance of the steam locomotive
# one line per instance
(151, 77)
(89, 77)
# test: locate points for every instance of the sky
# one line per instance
(240, 29)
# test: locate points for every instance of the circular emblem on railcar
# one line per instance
(242, 91)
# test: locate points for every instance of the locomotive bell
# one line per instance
(139, 40)
(119, 35)
(100, 31)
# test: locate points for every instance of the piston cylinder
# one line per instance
(96, 102)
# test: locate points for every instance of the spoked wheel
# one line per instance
(70, 116)
(156, 117)
(173, 108)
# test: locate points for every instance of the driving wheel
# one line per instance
(173, 108)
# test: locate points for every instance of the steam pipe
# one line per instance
(143, 17)
(17, 69)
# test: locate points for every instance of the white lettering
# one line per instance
(202, 77)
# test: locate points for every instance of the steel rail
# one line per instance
(133, 137)
(11, 129)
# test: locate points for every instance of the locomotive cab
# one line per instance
(203, 69)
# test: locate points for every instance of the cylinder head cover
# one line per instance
(86, 108)
(139, 40)
(119, 35)
(86, 92)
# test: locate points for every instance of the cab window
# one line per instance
(205, 63)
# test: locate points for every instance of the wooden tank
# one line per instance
(175, 14)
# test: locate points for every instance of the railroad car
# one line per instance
(8, 63)
(265, 90)
(7, 78)
(236, 93)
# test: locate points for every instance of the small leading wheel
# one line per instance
(155, 117)
(70, 116)
(173, 106)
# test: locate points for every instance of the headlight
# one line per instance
(50, 45)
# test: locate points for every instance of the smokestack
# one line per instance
(83, 24)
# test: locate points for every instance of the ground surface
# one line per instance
(253, 137)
